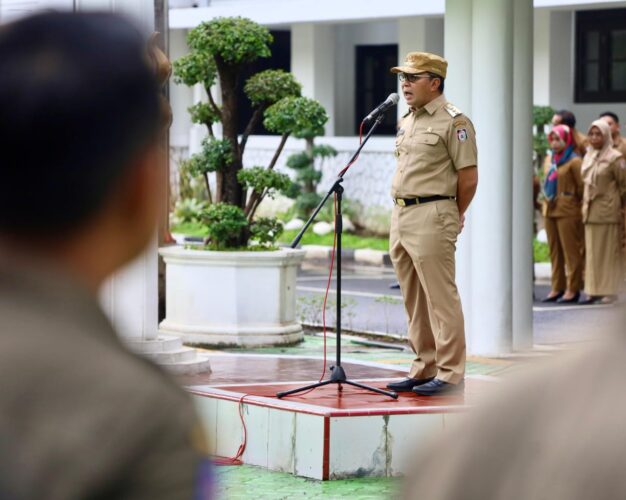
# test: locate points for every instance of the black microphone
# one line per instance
(392, 100)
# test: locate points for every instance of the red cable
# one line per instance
(242, 447)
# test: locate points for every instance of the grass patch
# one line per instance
(348, 241)
(190, 229)
(541, 251)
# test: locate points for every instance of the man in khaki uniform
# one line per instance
(80, 133)
(433, 185)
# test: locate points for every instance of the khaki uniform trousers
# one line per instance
(422, 244)
(566, 242)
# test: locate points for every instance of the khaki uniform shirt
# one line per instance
(605, 189)
(620, 145)
(582, 142)
(80, 416)
(569, 191)
(432, 144)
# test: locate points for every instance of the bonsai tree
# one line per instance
(219, 51)
(307, 177)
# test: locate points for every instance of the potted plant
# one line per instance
(239, 289)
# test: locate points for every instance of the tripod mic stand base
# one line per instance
(338, 376)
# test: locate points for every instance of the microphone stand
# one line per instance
(338, 374)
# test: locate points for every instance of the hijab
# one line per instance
(595, 157)
(564, 134)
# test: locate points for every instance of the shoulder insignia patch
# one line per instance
(452, 110)
(459, 123)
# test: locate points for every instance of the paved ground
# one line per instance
(371, 305)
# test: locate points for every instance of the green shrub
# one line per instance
(266, 230)
(187, 210)
(224, 223)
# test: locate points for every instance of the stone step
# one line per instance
(163, 343)
(199, 365)
(174, 356)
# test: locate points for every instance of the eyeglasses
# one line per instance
(411, 78)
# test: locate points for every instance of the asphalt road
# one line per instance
(370, 305)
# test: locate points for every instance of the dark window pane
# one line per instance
(618, 76)
(593, 45)
(618, 44)
(592, 74)
(374, 82)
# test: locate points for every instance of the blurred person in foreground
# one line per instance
(604, 175)
(81, 130)
(563, 192)
(557, 433)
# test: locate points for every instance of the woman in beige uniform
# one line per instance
(563, 190)
(604, 176)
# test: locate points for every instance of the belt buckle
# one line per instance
(401, 202)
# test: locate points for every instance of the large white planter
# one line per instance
(231, 298)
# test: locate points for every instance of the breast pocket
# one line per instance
(427, 139)
(427, 149)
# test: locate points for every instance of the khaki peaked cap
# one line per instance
(420, 62)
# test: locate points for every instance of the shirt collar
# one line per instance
(435, 104)
(431, 107)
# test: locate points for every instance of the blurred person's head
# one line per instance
(564, 117)
(79, 126)
(600, 135)
(613, 121)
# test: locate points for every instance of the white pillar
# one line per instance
(492, 113)
(522, 221)
(541, 58)
(181, 96)
(312, 63)
(458, 90)
(130, 297)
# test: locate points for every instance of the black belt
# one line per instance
(405, 202)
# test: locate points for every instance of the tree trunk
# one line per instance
(308, 185)
(230, 191)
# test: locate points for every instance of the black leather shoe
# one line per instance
(407, 384)
(553, 299)
(395, 286)
(438, 387)
(573, 300)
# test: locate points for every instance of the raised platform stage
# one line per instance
(325, 434)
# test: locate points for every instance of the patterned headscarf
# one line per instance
(564, 134)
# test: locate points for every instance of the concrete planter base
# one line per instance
(231, 298)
